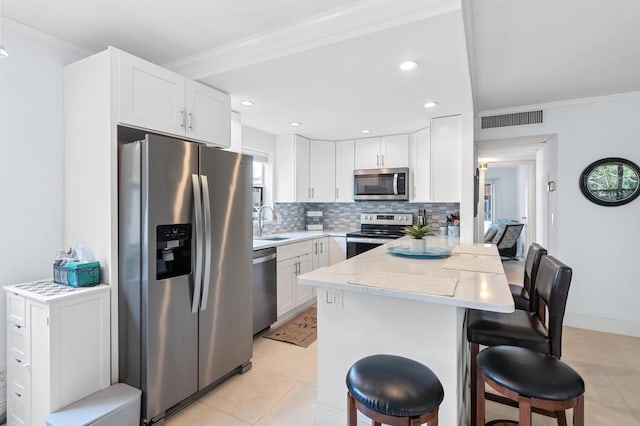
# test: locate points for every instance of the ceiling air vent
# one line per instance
(515, 119)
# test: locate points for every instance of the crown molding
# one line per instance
(44, 37)
(558, 104)
(354, 20)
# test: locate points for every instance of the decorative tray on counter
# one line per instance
(430, 253)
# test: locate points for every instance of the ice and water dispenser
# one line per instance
(173, 250)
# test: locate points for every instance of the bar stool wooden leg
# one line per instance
(525, 411)
(352, 414)
(562, 418)
(474, 349)
(578, 412)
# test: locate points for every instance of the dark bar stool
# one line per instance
(393, 390)
(523, 295)
(523, 328)
(531, 379)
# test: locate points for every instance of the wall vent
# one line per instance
(515, 119)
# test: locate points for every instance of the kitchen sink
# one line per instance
(273, 238)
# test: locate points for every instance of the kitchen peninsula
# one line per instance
(381, 303)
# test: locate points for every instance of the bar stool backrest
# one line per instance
(531, 265)
(552, 288)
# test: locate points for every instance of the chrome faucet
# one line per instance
(261, 219)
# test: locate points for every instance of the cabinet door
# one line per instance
(286, 296)
(322, 259)
(303, 188)
(367, 153)
(344, 171)
(421, 165)
(208, 114)
(322, 163)
(151, 96)
(304, 293)
(446, 142)
(394, 151)
(337, 249)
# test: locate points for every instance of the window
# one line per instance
(260, 163)
(489, 201)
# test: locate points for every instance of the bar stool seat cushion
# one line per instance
(529, 373)
(520, 297)
(394, 386)
(519, 328)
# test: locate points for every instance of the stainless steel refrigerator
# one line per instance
(185, 256)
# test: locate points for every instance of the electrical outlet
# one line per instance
(334, 298)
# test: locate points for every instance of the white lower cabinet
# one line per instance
(320, 252)
(293, 259)
(57, 348)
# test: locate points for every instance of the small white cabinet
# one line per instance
(57, 347)
(322, 166)
(383, 152)
(420, 166)
(293, 259)
(320, 252)
(344, 171)
(157, 99)
(292, 169)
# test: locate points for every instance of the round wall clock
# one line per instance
(611, 181)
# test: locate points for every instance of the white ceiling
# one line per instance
(331, 64)
(536, 52)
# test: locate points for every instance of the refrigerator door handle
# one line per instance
(207, 242)
(197, 204)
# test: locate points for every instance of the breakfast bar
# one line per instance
(403, 304)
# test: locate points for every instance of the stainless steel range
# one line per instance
(377, 229)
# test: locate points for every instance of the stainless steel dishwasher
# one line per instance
(265, 310)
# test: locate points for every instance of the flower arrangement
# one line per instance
(453, 219)
(417, 231)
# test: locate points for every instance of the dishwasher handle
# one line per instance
(264, 258)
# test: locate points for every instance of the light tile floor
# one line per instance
(281, 387)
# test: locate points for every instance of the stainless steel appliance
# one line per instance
(377, 229)
(381, 184)
(184, 273)
(265, 309)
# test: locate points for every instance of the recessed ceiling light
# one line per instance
(246, 103)
(408, 65)
(295, 123)
(430, 104)
(365, 131)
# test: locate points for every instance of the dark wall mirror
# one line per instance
(611, 181)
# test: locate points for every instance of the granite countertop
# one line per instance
(293, 237)
(379, 272)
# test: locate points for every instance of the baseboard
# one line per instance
(607, 325)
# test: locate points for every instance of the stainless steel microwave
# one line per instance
(381, 184)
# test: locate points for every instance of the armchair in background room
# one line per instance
(505, 236)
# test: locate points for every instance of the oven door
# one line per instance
(357, 245)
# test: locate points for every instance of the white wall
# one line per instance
(506, 190)
(599, 243)
(546, 202)
(31, 160)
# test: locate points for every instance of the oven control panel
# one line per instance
(401, 219)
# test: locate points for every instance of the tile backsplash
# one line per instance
(346, 216)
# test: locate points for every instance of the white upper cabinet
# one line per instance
(160, 100)
(151, 96)
(344, 171)
(446, 166)
(420, 165)
(367, 153)
(292, 169)
(394, 151)
(322, 166)
(385, 152)
(208, 114)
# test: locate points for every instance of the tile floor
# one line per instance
(280, 388)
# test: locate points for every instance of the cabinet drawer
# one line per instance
(17, 373)
(16, 341)
(287, 251)
(16, 308)
(17, 405)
